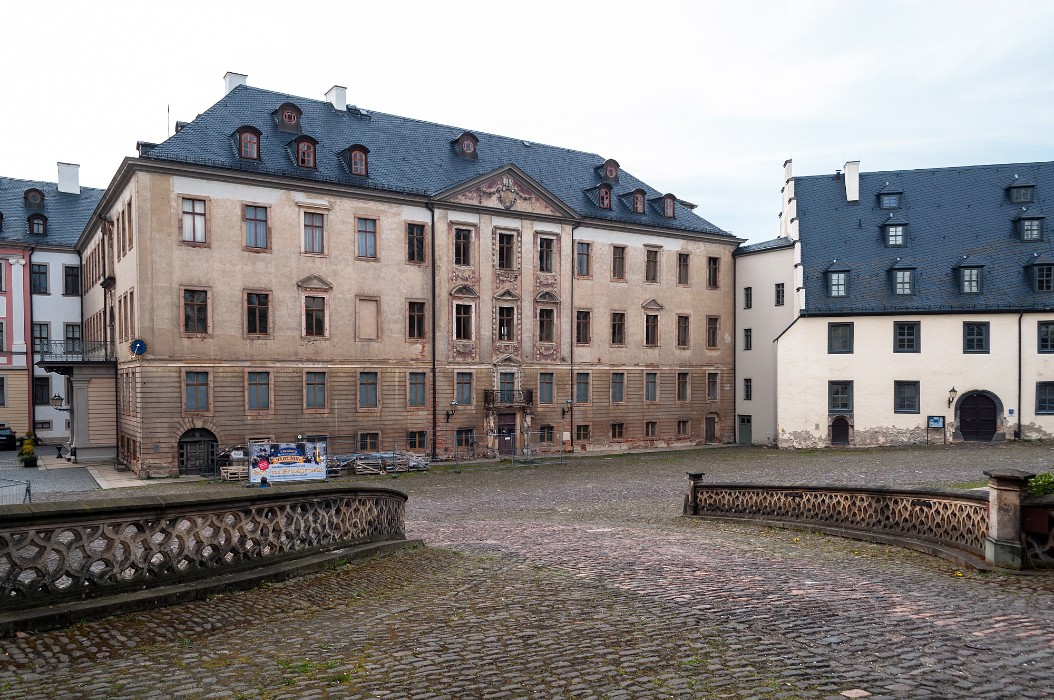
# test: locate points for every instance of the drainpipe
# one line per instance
(571, 334)
(735, 365)
(435, 388)
(1017, 430)
(32, 349)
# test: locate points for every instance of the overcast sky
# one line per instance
(702, 99)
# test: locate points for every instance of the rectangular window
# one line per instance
(545, 433)
(651, 386)
(903, 282)
(582, 387)
(837, 283)
(975, 337)
(315, 390)
(466, 437)
(618, 328)
(463, 384)
(545, 388)
(545, 254)
(41, 391)
(546, 325)
(907, 336)
(195, 311)
(618, 262)
(258, 388)
(193, 230)
(840, 397)
(839, 338)
(684, 427)
(506, 323)
(369, 441)
(713, 268)
(506, 251)
(970, 280)
(711, 386)
(582, 268)
(463, 321)
(416, 439)
(582, 327)
(905, 397)
(415, 320)
(651, 429)
(38, 278)
(582, 433)
(779, 294)
(651, 330)
(41, 337)
(651, 265)
(889, 201)
(415, 243)
(618, 431)
(618, 387)
(684, 329)
(314, 233)
(711, 331)
(1045, 332)
(1043, 277)
(1031, 229)
(315, 317)
(257, 309)
(255, 226)
(463, 247)
(367, 319)
(367, 239)
(415, 389)
(894, 236)
(682, 268)
(73, 338)
(196, 391)
(1044, 398)
(367, 390)
(1021, 195)
(3, 391)
(748, 298)
(748, 389)
(748, 339)
(683, 386)
(71, 280)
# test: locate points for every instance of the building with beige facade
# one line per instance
(922, 308)
(296, 267)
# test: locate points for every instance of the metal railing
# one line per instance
(507, 397)
(13, 492)
(75, 351)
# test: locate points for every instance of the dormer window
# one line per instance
(465, 146)
(357, 160)
(34, 199)
(1022, 194)
(889, 200)
(895, 236)
(38, 225)
(1030, 229)
(287, 118)
(970, 280)
(1043, 278)
(638, 202)
(668, 206)
(604, 197)
(903, 282)
(608, 170)
(837, 284)
(305, 152)
(248, 143)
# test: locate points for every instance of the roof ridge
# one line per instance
(939, 168)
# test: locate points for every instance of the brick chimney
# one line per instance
(69, 178)
(233, 80)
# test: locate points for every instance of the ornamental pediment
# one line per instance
(314, 282)
(507, 295)
(463, 290)
(507, 360)
(652, 305)
(509, 189)
(547, 298)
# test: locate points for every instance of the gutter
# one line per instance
(435, 389)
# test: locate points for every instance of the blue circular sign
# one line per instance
(138, 347)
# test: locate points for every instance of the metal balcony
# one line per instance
(508, 398)
(66, 352)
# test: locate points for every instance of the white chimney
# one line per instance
(69, 178)
(233, 80)
(338, 97)
(852, 181)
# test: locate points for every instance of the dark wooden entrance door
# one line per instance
(840, 431)
(977, 418)
(506, 433)
(710, 429)
(197, 453)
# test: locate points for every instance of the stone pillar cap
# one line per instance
(1009, 474)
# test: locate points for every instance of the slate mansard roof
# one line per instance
(952, 218)
(774, 244)
(66, 213)
(406, 156)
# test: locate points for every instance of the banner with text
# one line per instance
(286, 461)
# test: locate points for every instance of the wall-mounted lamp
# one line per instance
(952, 393)
(56, 403)
(453, 408)
(566, 409)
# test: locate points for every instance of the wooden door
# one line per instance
(840, 431)
(977, 418)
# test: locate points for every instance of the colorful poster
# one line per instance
(286, 461)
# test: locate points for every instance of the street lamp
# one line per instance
(453, 408)
(56, 403)
(952, 393)
(566, 409)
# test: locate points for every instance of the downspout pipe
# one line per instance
(571, 333)
(1020, 417)
(32, 351)
(435, 388)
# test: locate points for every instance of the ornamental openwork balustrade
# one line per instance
(73, 551)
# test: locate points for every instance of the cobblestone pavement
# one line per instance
(42, 481)
(582, 581)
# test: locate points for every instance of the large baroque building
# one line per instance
(307, 267)
(917, 305)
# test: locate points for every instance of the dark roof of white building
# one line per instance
(66, 214)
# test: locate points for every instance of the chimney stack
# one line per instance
(69, 178)
(233, 80)
(852, 181)
(338, 97)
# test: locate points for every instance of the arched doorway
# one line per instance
(839, 431)
(977, 418)
(197, 453)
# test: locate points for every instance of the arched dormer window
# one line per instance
(466, 146)
(608, 170)
(34, 199)
(358, 160)
(287, 117)
(248, 143)
(604, 196)
(668, 208)
(38, 224)
(638, 202)
(305, 152)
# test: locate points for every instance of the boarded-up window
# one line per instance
(368, 319)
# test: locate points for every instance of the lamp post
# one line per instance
(952, 393)
(566, 409)
(453, 409)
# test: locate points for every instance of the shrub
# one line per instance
(1041, 484)
(27, 446)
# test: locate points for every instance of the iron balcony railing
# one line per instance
(508, 397)
(74, 351)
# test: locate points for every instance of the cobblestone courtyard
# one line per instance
(582, 580)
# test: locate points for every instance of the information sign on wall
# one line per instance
(286, 461)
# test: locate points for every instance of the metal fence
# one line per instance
(13, 492)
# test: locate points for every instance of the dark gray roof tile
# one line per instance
(66, 213)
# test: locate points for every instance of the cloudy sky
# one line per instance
(702, 99)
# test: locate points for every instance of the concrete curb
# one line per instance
(66, 614)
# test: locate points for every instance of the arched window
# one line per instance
(305, 154)
(249, 145)
(38, 225)
(667, 207)
(357, 162)
(638, 202)
(34, 199)
(604, 197)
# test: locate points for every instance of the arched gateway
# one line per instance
(197, 452)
